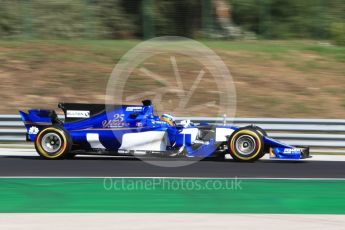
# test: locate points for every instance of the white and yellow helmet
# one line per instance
(168, 119)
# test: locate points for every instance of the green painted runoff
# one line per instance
(145, 195)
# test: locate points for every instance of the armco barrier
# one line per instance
(326, 135)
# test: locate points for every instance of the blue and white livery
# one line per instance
(137, 130)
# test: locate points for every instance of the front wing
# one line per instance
(283, 151)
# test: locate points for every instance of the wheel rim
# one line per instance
(51, 143)
(245, 145)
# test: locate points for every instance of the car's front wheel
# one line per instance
(53, 143)
(246, 144)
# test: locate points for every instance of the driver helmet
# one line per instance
(168, 119)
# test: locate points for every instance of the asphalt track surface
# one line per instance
(33, 166)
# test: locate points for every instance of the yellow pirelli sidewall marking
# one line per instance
(43, 152)
(248, 132)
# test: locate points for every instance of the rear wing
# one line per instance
(77, 111)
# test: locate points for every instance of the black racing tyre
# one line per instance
(246, 144)
(259, 129)
(263, 133)
(53, 143)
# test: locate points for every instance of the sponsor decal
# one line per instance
(78, 114)
(117, 121)
(134, 108)
(33, 130)
(291, 151)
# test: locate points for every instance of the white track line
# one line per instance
(168, 221)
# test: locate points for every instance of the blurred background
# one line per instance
(287, 58)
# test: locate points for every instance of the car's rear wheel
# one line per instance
(53, 143)
(246, 144)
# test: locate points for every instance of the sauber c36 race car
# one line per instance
(131, 130)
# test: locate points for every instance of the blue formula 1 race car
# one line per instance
(131, 130)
